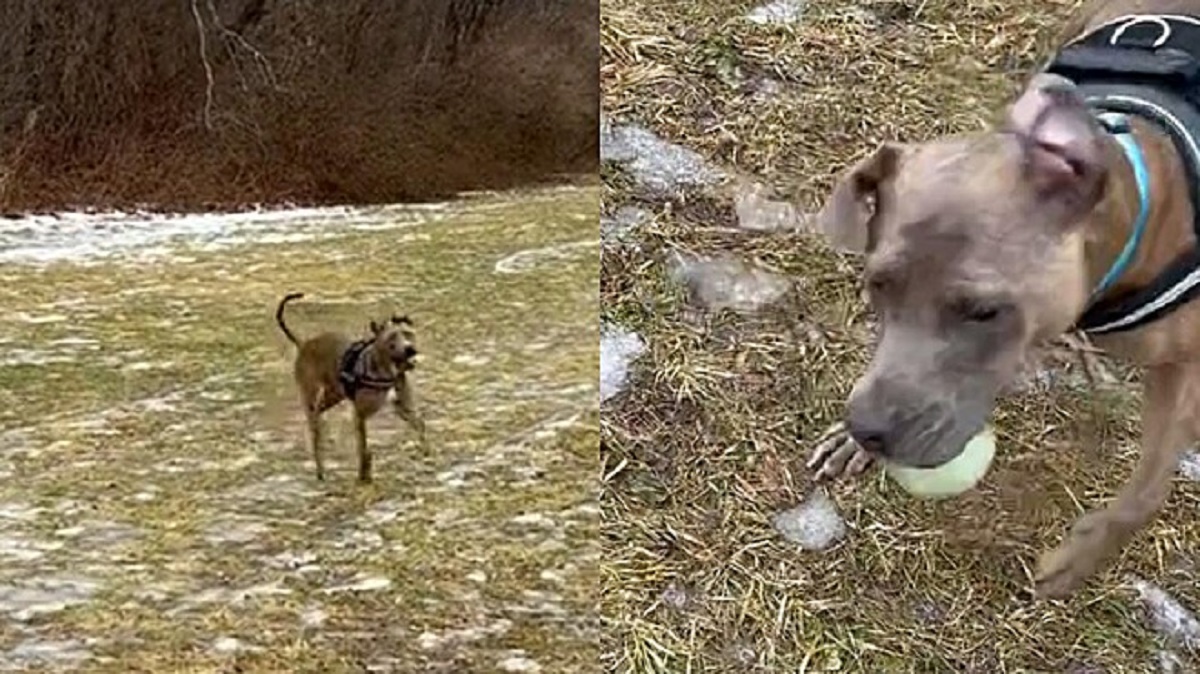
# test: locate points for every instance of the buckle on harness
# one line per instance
(1114, 123)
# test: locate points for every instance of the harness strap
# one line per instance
(1146, 66)
(352, 376)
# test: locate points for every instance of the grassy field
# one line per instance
(710, 440)
(159, 512)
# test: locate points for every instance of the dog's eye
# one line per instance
(983, 315)
(878, 285)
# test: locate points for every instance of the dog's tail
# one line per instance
(279, 316)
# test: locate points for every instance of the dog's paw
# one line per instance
(1064, 569)
(838, 455)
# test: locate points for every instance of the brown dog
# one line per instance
(980, 247)
(330, 368)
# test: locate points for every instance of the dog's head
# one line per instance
(974, 253)
(396, 338)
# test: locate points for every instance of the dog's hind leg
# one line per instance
(314, 442)
(1171, 411)
(364, 452)
(312, 398)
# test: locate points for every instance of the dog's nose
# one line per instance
(410, 352)
(870, 429)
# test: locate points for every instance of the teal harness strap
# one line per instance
(1118, 125)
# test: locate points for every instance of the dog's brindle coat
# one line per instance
(381, 366)
(980, 247)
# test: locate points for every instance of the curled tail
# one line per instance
(279, 316)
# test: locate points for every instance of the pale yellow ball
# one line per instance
(951, 478)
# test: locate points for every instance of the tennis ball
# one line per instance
(951, 478)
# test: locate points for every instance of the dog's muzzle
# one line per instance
(408, 358)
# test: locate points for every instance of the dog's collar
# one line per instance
(1118, 125)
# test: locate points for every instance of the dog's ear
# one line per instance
(376, 328)
(846, 218)
(402, 319)
(1062, 142)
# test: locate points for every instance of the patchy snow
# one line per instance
(725, 282)
(654, 162)
(813, 525)
(530, 260)
(757, 211)
(84, 237)
(618, 348)
(622, 225)
(41, 596)
(1189, 466)
(1167, 616)
(777, 12)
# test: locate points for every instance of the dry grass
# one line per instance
(154, 398)
(712, 439)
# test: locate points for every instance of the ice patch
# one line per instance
(229, 596)
(654, 162)
(231, 645)
(30, 598)
(471, 360)
(313, 617)
(80, 237)
(777, 12)
(236, 531)
(364, 584)
(529, 260)
(621, 225)
(758, 212)
(1189, 466)
(518, 662)
(1167, 616)
(725, 282)
(431, 640)
(618, 348)
(37, 655)
(19, 547)
(813, 525)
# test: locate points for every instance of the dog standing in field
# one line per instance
(1077, 212)
(331, 367)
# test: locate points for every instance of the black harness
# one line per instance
(1145, 66)
(352, 377)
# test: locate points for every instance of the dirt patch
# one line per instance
(220, 103)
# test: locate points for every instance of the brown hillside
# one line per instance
(220, 102)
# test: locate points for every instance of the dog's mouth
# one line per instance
(408, 360)
(938, 456)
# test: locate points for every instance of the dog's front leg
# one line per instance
(405, 404)
(1169, 417)
(364, 453)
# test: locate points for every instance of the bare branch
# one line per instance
(233, 36)
(208, 71)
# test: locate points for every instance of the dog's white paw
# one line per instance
(838, 455)
(1085, 550)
